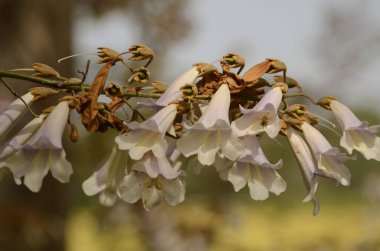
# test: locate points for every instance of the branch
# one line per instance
(60, 84)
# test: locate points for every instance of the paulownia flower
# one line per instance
(212, 132)
(14, 111)
(20, 139)
(254, 169)
(107, 179)
(261, 118)
(154, 166)
(329, 159)
(307, 166)
(149, 135)
(139, 185)
(356, 134)
(42, 151)
(173, 92)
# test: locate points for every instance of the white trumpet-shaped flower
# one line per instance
(212, 132)
(262, 117)
(329, 159)
(148, 135)
(356, 134)
(154, 166)
(254, 169)
(307, 166)
(107, 179)
(20, 139)
(139, 185)
(14, 111)
(173, 92)
(42, 151)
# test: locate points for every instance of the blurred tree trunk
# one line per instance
(33, 31)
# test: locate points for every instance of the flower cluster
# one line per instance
(213, 116)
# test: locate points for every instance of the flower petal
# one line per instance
(238, 175)
(50, 133)
(60, 168)
(130, 189)
(217, 110)
(174, 191)
(14, 111)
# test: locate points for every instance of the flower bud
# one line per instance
(234, 60)
(43, 70)
(74, 134)
(205, 68)
(284, 87)
(140, 52)
(141, 75)
(291, 82)
(276, 65)
(113, 90)
(189, 90)
(108, 55)
(42, 92)
(159, 86)
(325, 102)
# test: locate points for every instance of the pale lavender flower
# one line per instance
(261, 118)
(148, 135)
(356, 134)
(254, 169)
(14, 111)
(307, 166)
(139, 185)
(212, 132)
(329, 159)
(42, 152)
(107, 179)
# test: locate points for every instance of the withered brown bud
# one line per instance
(74, 134)
(189, 90)
(43, 70)
(113, 90)
(291, 82)
(234, 60)
(325, 102)
(140, 52)
(42, 92)
(284, 87)
(108, 55)
(276, 65)
(205, 68)
(159, 86)
(296, 110)
(141, 75)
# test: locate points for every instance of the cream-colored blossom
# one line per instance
(261, 118)
(329, 159)
(254, 169)
(139, 185)
(42, 151)
(212, 132)
(148, 135)
(307, 166)
(14, 111)
(356, 134)
(107, 179)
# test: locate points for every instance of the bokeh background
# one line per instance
(331, 47)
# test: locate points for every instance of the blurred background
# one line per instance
(331, 47)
